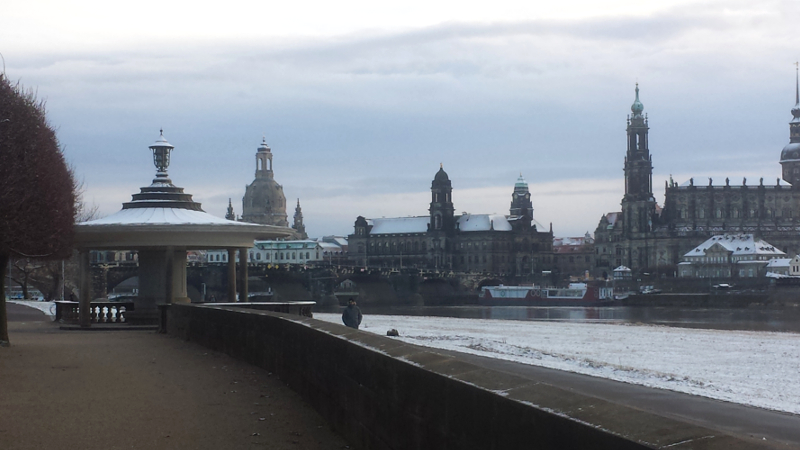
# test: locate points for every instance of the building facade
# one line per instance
(651, 239)
(573, 257)
(729, 256)
(444, 241)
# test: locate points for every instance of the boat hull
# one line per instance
(533, 296)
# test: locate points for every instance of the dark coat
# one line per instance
(352, 316)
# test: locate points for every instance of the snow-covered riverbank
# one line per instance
(753, 368)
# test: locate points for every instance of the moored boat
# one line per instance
(577, 294)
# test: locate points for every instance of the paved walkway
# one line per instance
(141, 390)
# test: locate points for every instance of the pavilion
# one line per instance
(161, 223)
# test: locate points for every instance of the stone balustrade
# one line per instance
(100, 312)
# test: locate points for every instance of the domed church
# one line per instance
(264, 201)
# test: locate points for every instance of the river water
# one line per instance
(786, 319)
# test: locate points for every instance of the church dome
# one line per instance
(637, 107)
(441, 176)
(521, 183)
(791, 152)
(263, 147)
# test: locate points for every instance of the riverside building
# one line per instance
(444, 241)
(652, 240)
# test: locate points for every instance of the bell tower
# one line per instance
(638, 204)
(790, 156)
(441, 209)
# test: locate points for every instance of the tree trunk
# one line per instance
(4, 342)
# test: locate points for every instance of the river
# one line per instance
(752, 319)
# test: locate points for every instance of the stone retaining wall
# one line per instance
(380, 393)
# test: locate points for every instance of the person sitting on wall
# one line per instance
(352, 315)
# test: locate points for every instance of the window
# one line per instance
(258, 256)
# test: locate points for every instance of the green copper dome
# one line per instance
(637, 106)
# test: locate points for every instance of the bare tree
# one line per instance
(37, 189)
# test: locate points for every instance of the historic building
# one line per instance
(650, 239)
(444, 241)
(573, 257)
(263, 201)
(729, 256)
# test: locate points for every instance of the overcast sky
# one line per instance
(361, 101)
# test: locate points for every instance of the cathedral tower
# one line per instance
(263, 201)
(790, 156)
(638, 204)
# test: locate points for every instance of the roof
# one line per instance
(399, 225)
(136, 228)
(779, 262)
(612, 218)
(160, 216)
(483, 222)
(738, 245)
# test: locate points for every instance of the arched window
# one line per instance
(735, 213)
(258, 256)
(437, 222)
(718, 214)
(701, 214)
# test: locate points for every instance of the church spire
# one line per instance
(790, 156)
(796, 109)
(230, 215)
(298, 222)
(637, 107)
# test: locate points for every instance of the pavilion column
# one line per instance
(231, 275)
(169, 275)
(243, 273)
(85, 286)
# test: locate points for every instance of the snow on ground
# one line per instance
(747, 367)
(49, 308)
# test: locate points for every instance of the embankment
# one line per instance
(380, 393)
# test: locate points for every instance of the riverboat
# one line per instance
(577, 294)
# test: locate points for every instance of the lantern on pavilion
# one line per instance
(161, 150)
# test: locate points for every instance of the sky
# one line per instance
(362, 101)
